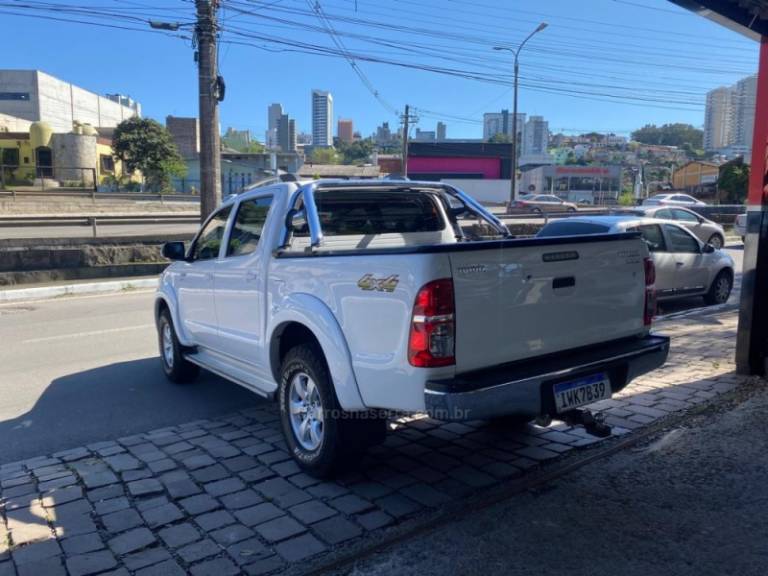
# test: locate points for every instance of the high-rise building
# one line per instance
(424, 135)
(322, 115)
(286, 133)
(743, 101)
(501, 123)
(185, 133)
(345, 130)
(718, 127)
(274, 111)
(441, 131)
(383, 134)
(237, 139)
(536, 136)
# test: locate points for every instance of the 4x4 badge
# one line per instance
(388, 284)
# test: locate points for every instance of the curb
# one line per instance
(46, 292)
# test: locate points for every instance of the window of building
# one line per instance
(10, 157)
(18, 96)
(248, 225)
(107, 163)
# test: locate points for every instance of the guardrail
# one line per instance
(94, 221)
(16, 193)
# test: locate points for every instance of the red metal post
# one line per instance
(752, 338)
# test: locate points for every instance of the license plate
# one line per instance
(576, 393)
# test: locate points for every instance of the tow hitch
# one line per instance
(593, 423)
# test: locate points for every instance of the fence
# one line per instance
(48, 177)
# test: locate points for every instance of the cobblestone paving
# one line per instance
(223, 496)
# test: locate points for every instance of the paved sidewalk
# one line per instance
(223, 496)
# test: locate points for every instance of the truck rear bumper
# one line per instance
(525, 387)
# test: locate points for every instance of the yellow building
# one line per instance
(73, 159)
(697, 177)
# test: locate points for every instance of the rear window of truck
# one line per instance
(373, 212)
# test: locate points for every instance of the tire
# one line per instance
(319, 436)
(537, 211)
(571, 210)
(721, 288)
(717, 241)
(177, 368)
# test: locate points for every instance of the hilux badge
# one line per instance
(369, 282)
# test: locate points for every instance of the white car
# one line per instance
(343, 299)
(685, 266)
(673, 199)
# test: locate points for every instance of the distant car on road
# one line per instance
(705, 230)
(685, 266)
(540, 203)
(740, 226)
(673, 200)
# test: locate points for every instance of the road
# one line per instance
(690, 502)
(76, 370)
(103, 230)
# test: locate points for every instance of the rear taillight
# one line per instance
(432, 338)
(650, 292)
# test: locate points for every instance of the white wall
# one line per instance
(492, 191)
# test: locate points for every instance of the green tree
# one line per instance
(357, 151)
(733, 184)
(627, 199)
(144, 144)
(255, 148)
(670, 135)
(325, 156)
(499, 138)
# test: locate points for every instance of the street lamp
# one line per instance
(513, 178)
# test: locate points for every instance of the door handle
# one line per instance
(209, 275)
(250, 275)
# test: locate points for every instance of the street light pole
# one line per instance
(513, 175)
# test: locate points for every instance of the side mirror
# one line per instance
(708, 249)
(174, 251)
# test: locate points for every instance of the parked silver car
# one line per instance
(705, 230)
(540, 203)
(672, 199)
(685, 266)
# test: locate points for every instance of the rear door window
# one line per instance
(685, 216)
(376, 212)
(665, 214)
(248, 226)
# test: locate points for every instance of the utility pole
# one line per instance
(405, 141)
(210, 91)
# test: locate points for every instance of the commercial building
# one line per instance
(585, 184)
(274, 111)
(39, 97)
(441, 131)
(322, 115)
(698, 178)
(729, 117)
(78, 158)
(501, 123)
(458, 160)
(237, 139)
(535, 142)
(286, 133)
(345, 130)
(186, 135)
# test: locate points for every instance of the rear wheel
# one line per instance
(177, 368)
(536, 210)
(571, 209)
(720, 290)
(320, 436)
(717, 241)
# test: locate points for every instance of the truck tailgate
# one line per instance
(526, 298)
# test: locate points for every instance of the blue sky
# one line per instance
(606, 65)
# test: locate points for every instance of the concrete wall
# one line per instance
(58, 102)
(486, 191)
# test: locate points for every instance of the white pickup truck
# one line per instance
(352, 300)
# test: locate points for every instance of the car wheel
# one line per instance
(571, 209)
(721, 288)
(717, 241)
(177, 368)
(320, 436)
(536, 211)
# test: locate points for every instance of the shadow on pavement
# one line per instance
(112, 401)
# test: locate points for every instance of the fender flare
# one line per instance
(169, 299)
(313, 314)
